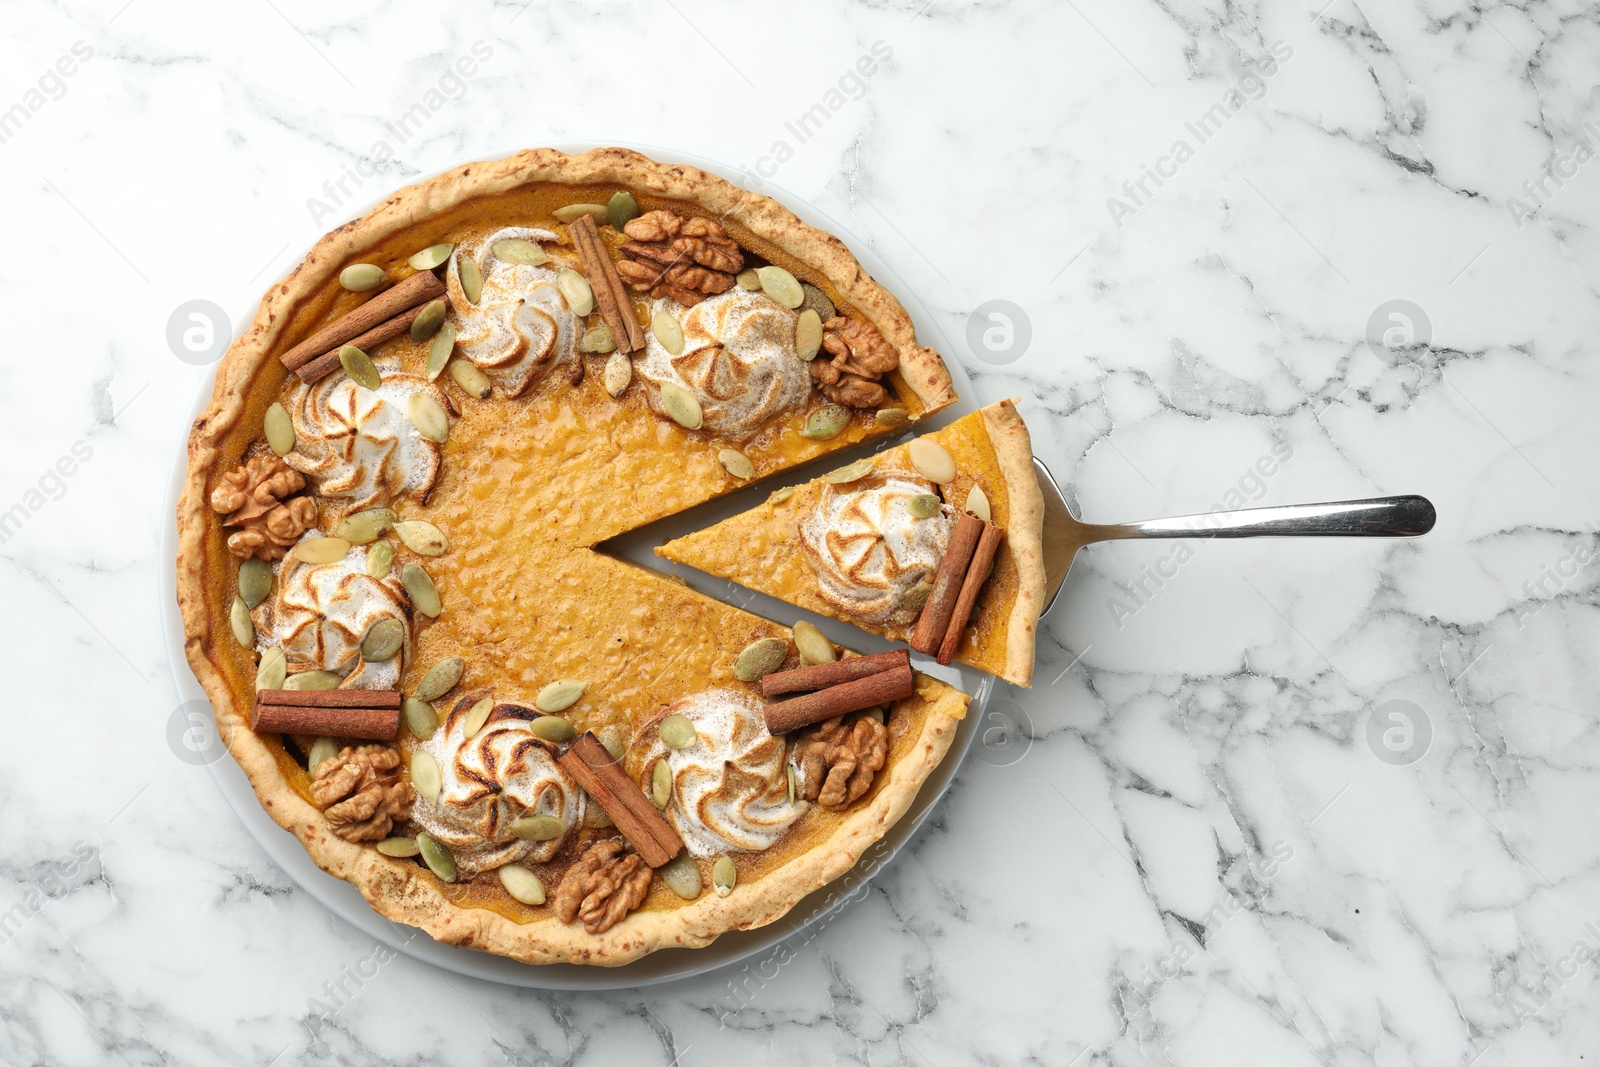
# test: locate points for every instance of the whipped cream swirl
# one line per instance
(868, 550)
(358, 445)
(321, 611)
(738, 359)
(521, 326)
(490, 780)
(729, 788)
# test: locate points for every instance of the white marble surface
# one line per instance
(1191, 853)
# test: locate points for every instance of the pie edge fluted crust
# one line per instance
(405, 892)
(1013, 449)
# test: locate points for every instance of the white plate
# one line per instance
(669, 964)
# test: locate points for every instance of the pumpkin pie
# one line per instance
(393, 579)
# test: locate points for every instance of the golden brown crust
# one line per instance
(1024, 533)
(401, 890)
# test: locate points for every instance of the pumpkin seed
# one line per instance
(437, 857)
(320, 550)
(538, 827)
(892, 416)
(788, 772)
(471, 278)
(428, 321)
(470, 378)
(358, 365)
(924, 506)
(598, 340)
(816, 300)
(519, 251)
(424, 594)
(425, 776)
(558, 696)
(571, 212)
(932, 461)
(279, 430)
(273, 671)
(428, 417)
(444, 343)
(781, 286)
(614, 741)
(676, 731)
(308, 681)
(420, 717)
(668, 332)
(522, 884)
(365, 527)
(621, 209)
(255, 581)
(724, 875)
(661, 784)
(850, 472)
(575, 288)
(595, 818)
(760, 658)
(748, 279)
(807, 335)
(476, 716)
(826, 422)
(682, 406)
(323, 749)
(552, 728)
(916, 597)
(813, 644)
(423, 538)
(618, 373)
(440, 679)
(736, 463)
(682, 876)
(383, 640)
(398, 847)
(431, 257)
(361, 277)
(978, 503)
(380, 558)
(779, 496)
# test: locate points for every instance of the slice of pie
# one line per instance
(391, 591)
(866, 543)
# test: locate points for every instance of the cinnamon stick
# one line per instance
(616, 306)
(328, 362)
(977, 573)
(420, 288)
(369, 714)
(823, 675)
(646, 829)
(935, 617)
(897, 683)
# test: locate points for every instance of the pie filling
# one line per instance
(467, 687)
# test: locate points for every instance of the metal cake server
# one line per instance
(1382, 516)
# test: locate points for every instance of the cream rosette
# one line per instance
(868, 550)
(358, 445)
(321, 611)
(521, 326)
(489, 780)
(738, 360)
(730, 792)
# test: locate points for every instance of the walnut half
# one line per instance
(860, 358)
(685, 259)
(361, 792)
(839, 760)
(257, 496)
(603, 886)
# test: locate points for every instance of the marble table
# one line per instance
(1267, 802)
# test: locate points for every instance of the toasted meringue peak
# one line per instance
(321, 611)
(868, 550)
(358, 445)
(738, 359)
(521, 326)
(490, 780)
(729, 789)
